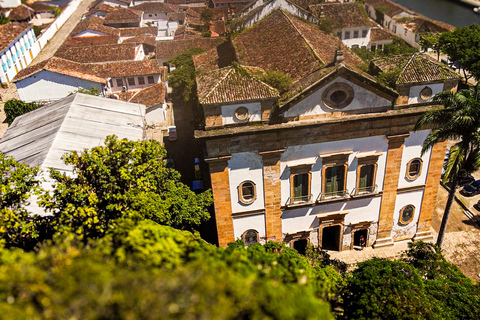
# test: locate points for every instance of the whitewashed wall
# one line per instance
(254, 110)
(414, 198)
(414, 94)
(47, 85)
(313, 105)
(411, 150)
(242, 224)
(359, 41)
(242, 167)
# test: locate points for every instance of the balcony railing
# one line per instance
(332, 195)
(364, 191)
(295, 201)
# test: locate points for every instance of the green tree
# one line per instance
(398, 46)
(431, 41)
(3, 19)
(14, 108)
(385, 289)
(206, 16)
(183, 77)
(278, 80)
(122, 179)
(463, 45)
(18, 182)
(458, 118)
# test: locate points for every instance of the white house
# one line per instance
(166, 17)
(10, 3)
(80, 121)
(18, 47)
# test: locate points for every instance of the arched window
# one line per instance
(250, 237)
(247, 192)
(406, 214)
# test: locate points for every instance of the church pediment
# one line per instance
(342, 90)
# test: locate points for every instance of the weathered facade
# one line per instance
(334, 161)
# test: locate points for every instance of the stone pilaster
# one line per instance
(222, 201)
(273, 197)
(390, 184)
(431, 190)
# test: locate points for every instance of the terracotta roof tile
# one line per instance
(128, 68)
(21, 13)
(186, 2)
(304, 4)
(91, 41)
(102, 7)
(40, 7)
(218, 27)
(415, 68)
(421, 24)
(176, 16)
(11, 31)
(391, 8)
(150, 96)
(231, 85)
(152, 7)
(101, 53)
(93, 23)
(123, 15)
(142, 39)
(344, 15)
(275, 44)
(130, 32)
(169, 49)
(378, 33)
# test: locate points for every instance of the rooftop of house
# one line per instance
(76, 122)
(150, 96)
(11, 31)
(176, 16)
(91, 41)
(193, 21)
(98, 53)
(280, 42)
(218, 27)
(415, 68)
(40, 7)
(379, 33)
(389, 8)
(342, 15)
(304, 4)
(100, 8)
(21, 13)
(131, 32)
(123, 15)
(186, 33)
(422, 24)
(233, 84)
(95, 72)
(100, 2)
(96, 24)
(185, 2)
(141, 39)
(169, 49)
(155, 7)
(230, 1)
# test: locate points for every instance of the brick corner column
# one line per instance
(273, 196)
(430, 194)
(390, 184)
(222, 202)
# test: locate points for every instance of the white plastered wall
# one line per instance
(255, 222)
(254, 111)
(400, 231)
(242, 167)
(313, 105)
(414, 94)
(412, 149)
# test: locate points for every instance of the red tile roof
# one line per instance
(129, 68)
(130, 32)
(102, 7)
(185, 2)
(11, 31)
(40, 7)
(101, 53)
(231, 84)
(343, 15)
(93, 23)
(142, 39)
(91, 41)
(415, 68)
(150, 96)
(389, 8)
(218, 27)
(21, 13)
(169, 49)
(153, 7)
(123, 15)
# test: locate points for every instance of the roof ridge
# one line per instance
(220, 81)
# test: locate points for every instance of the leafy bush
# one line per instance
(14, 108)
(278, 80)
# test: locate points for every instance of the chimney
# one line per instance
(339, 57)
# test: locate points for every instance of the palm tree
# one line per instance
(458, 119)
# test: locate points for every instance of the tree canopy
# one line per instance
(14, 108)
(463, 45)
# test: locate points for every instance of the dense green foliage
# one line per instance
(14, 108)
(398, 46)
(431, 41)
(122, 179)
(183, 77)
(3, 19)
(388, 78)
(278, 80)
(463, 45)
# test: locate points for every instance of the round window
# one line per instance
(426, 93)
(406, 214)
(338, 95)
(247, 192)
(414, 168)
(241, 113)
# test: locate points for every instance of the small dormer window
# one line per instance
(338, 95)
(241, 114)
(426, 93)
